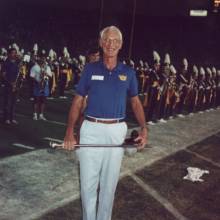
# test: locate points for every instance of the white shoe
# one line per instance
(180, 116)
(162, 120)
(150, 123)
(50, 98)
(191, 114)
(171, 117)
(35, 117)
(7, 122)
(14, 122)
(41, 117)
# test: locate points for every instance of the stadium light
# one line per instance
(198, 13)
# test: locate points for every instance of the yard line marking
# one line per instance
(53, 139)
(56, 122)
(164, 202)
(203, 158)
(23, 146)
(49, 121)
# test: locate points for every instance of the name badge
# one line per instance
(97, 77)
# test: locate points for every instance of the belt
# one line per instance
(113, 121)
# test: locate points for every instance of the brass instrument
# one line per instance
(43, 77)
(18, 83)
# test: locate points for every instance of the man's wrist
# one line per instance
(70, 129)
(143, 127)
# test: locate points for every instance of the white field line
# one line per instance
(163, 201)
(53, 139)
(49, 121)
(203, 158)
(23, 146)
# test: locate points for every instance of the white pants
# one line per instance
(100, 166)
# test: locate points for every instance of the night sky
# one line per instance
(148, 7)
(162, 25)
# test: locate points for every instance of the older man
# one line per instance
(107, 84)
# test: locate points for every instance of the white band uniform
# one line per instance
(100, 165)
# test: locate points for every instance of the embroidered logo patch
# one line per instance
(122, 77)
(97, 77)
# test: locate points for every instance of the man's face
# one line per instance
(111, 43)
(94, 57)
(13, 55)
(157, 66)
(41, 60)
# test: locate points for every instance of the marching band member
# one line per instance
(163, 88)
(40, 72)
(53, 67)
(10, 74)
(214, 87)
(65, 73)
(64, 78)
(183, 83)
(192, 94)
(140, 77)
(76, 71)
(171, 95)
(208, 88)
(154, 89)
(201, 90)
(146, 85)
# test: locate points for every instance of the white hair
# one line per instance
(111, 28)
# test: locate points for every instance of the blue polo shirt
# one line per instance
(107, 90)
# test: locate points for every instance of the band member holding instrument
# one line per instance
(214, 87)
(208, 88)
(201, 91)
(64, 78)
(40, 72)
(154, 89)
(192, 94)
(140, 77)
(183, 84)
(10, 74)
(172, 95)
(163, 88)
(107, 84)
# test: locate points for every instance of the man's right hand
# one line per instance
(69, 142)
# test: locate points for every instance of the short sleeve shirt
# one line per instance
(36, 74)
(107, 90)
(11, 69)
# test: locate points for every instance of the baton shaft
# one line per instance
(56, 146)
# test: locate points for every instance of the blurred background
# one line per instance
(147, 25)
